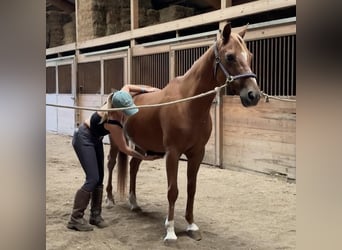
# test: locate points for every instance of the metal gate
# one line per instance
(151, 69)
(60, 90)
(98, 74)
(274, 63)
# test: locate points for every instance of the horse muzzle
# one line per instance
(249, 97)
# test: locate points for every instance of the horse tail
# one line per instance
(122, 174)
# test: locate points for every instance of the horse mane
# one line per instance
(197, 62)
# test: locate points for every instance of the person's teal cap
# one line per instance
(122, 99)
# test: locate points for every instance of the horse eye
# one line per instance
(230, 58)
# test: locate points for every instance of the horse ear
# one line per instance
(243, 31)
(226, 33)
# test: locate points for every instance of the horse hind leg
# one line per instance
(132, 198)
(109, 200)
(194, 162)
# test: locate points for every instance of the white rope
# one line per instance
(267, 97)
(216, 90)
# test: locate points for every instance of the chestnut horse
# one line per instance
(185, 127)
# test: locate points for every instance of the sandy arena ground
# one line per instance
(234, 210)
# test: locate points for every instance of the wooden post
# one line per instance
(226, 3)
(129, 66)
(76, 24)
(75, 90)
(134, 14)
(219, 104)
(172, 64)
(218, 129)
(101, 77)
(134, 18)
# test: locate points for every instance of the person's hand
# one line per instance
(149, 89)
(153, 89)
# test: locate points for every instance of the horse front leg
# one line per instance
(194, 161)
(109, 200)
(134, 167)
(172, 158)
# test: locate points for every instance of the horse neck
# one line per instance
(200, 79)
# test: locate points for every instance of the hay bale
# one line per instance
(70, 30)
(148, 17)
(55, 20)
(92, 19)
(143, 19)
(174, 12)
(125, 27)
(125, 16)
(153, 16)
(47, 36)
(112, 4)
(69, 33)
(118, 18)
(125, 3)
(113, 21)
(103, 17)
(147, 4)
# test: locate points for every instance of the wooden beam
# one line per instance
(194, 43)
(63, 5)
(267, 32)
(141, 50)
(62, 48)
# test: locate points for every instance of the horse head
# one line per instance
(234, 58)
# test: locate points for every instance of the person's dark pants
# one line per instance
(89, 150)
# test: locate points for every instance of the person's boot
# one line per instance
(77, 222)
(96, 208)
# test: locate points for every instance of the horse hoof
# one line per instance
(109, 203)
(170, 242)
(136, 208)
(196, 235)
(170, 239)
(170, 235)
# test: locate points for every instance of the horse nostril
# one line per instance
(251, 95)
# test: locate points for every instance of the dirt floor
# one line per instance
(234, 210)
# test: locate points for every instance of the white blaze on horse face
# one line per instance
(244, 55)
(254, 80)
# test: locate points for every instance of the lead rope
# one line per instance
(268, 97)
(210, 92)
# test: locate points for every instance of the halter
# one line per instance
(229, 78)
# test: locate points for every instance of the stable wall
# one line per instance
(261, 138)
